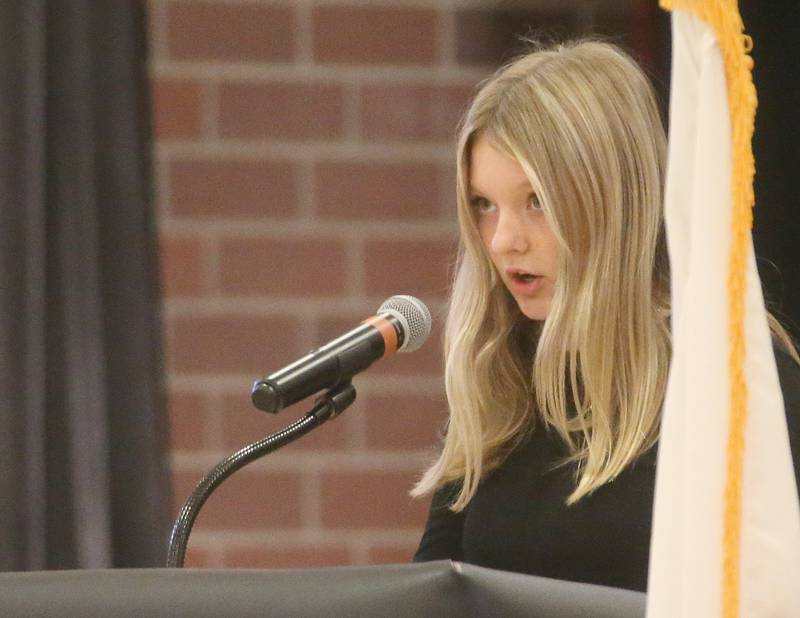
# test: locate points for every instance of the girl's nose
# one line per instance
(509, 235)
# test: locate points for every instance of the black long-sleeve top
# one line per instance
(518, 519)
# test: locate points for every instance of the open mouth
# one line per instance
(524, 282)
(522, 276)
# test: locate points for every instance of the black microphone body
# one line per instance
(330, 365)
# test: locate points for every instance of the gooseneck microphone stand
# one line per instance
(327, 406)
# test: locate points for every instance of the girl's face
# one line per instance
(513, 228)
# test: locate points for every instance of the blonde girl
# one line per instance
(557, 343)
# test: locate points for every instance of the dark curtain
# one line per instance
(775, 28)
(83, 469)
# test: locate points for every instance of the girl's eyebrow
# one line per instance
(522, 185)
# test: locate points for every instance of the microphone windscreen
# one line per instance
(414, 316)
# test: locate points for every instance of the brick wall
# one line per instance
(304, 174)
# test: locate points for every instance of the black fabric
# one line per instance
(435, 590)
(83, 469)
(775, 29)
(518, 520)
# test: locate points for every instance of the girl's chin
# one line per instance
(534, 309)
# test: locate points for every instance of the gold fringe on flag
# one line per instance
(723, 17)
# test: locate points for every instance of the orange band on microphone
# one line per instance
(387, 331)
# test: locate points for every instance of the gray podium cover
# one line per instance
(437, 589)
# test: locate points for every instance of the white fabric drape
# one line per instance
(686, 552)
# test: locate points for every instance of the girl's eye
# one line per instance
(481, 205)
(534, 202)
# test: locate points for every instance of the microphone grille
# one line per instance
(415, 317)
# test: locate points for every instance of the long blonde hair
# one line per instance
(582, 120)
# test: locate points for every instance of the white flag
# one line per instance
(726, 522)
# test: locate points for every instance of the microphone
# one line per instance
(401, 324)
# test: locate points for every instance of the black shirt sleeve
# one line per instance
(789, 376)
(443, 532)
(518, 520)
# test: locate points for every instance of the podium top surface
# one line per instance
(439, 589)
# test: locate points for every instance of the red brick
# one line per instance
(197, 558)
(177, 109)
(370, 500)
(425, 361)
(182, 262)
(376, 190)
(224, 188)
(281, 110)
(375, 35)
(188, 418)
(243, 423)
(277, 267)
(246, 500)
(228, 344)
(417, 267)
(448, 182)
(635, 28)
(300, 557)
(230, 31)
(490, 36)
(391, 555)
(404, 422)
(413, 112)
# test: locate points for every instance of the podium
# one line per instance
(436, 589)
